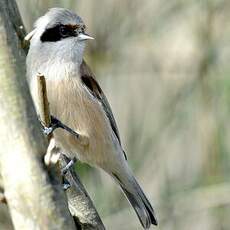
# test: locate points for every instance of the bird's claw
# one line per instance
(65, 184)
(47, 130)
(68, 166)
(64, 170)
(55, 123)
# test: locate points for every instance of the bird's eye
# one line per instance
(64, 31)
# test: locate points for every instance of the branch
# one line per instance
(34, 195)
(35, 198)
(43, 104)
(80, 204)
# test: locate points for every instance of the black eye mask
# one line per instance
(58, 33)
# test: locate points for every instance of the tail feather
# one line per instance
(139, 202)
(142, 213)
(147, 204)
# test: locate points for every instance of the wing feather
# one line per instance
(90, 82)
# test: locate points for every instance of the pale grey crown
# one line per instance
(57, 16)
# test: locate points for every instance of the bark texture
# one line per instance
(34, 194)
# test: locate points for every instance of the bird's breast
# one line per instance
(73, 104)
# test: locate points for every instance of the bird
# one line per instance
(57, 44)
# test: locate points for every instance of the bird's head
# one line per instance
(60, 33)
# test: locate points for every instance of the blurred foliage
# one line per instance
(164, 66)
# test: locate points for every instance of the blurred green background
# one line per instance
(164, 66)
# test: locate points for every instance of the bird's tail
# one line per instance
(138, 200)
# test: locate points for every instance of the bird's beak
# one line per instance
(83, 36)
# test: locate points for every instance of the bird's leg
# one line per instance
(68, 166)
(55, 123)
(64, 170)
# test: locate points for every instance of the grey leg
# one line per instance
(64, 170)
(68, 166)
(55, 123)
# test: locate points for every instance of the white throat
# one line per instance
(56, 60)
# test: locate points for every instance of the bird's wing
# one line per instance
(90, 82)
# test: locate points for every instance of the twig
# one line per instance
(44, 111)
(35, 199)
(80, 204)
(52, 153)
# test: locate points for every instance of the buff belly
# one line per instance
(72, 104)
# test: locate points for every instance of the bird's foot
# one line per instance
(55, 123)
(66, 184)
(64, 170)
(68, 166)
